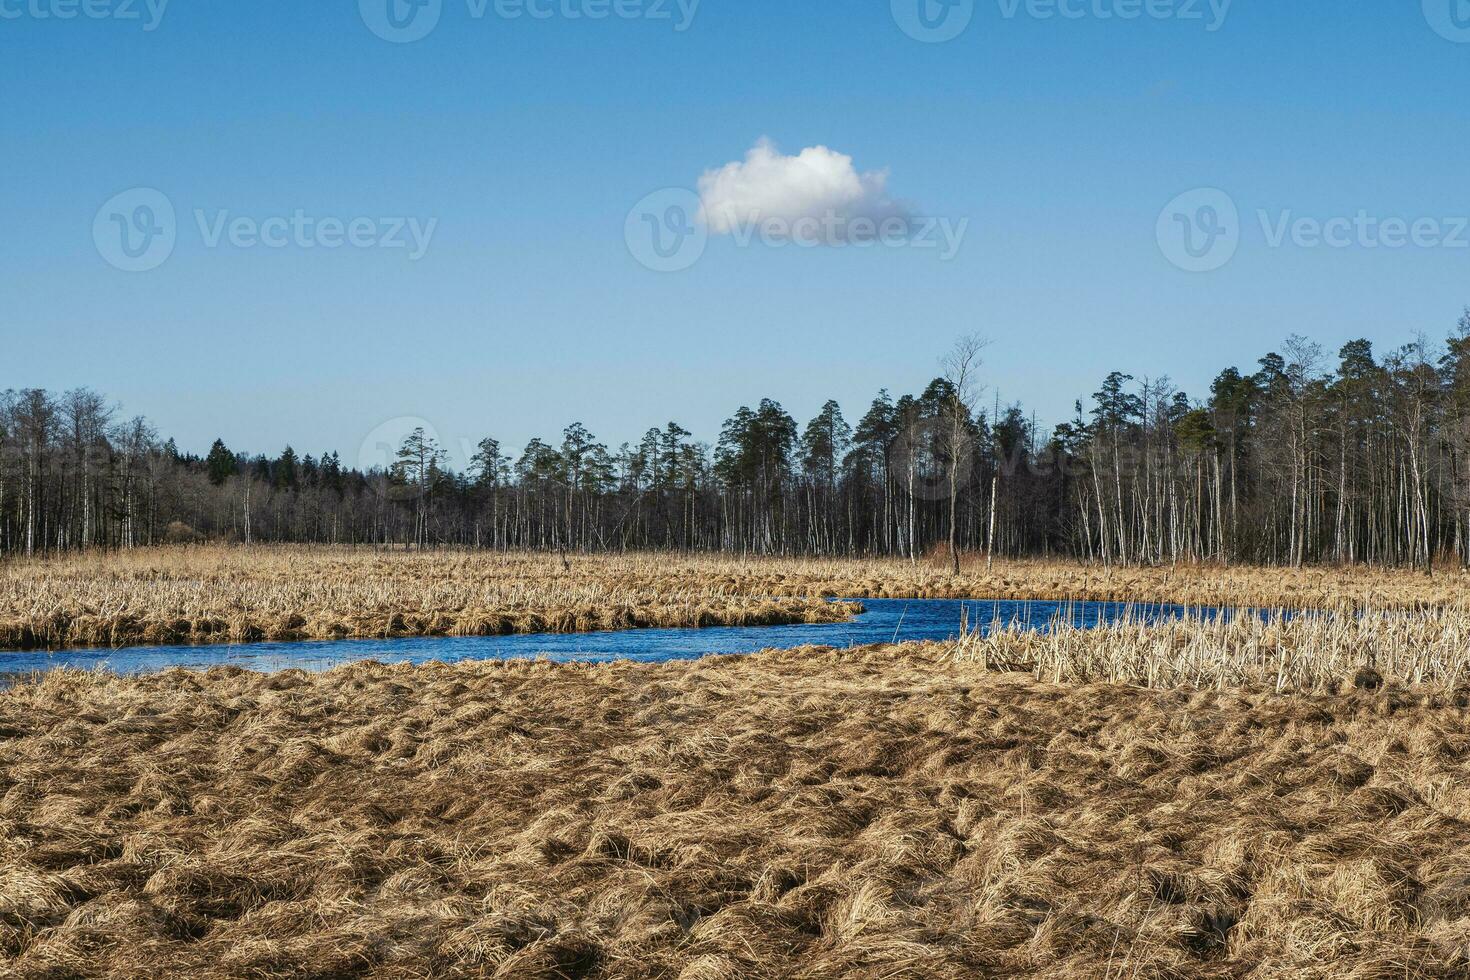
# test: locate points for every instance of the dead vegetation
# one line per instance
(889, 812)
(219, 594)
(1313, 652)
(232, 595)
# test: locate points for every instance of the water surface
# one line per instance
(884, 621)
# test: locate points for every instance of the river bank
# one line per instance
(216, 594)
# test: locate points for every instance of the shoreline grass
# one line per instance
(204, 595)
(218, 594)
(1314, 652)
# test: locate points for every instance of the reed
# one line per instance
(1313, 652)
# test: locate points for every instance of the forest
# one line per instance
(1358, 459)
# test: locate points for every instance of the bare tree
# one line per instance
(962, 371)
(86, 416)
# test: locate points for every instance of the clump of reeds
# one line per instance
(1312, 651)
(824, 814)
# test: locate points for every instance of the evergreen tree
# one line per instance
(220, 464)
(284, 475)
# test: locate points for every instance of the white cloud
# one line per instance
(816, 197)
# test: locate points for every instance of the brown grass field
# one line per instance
(894, 812)
(1281, 797)
(220, 594)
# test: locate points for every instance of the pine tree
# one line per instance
(220, 464)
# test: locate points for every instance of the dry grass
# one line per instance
(1315, 652)
(1340, 589)
(216, 594)
(232, 595)
(887, 812)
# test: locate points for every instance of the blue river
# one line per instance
(883, 621)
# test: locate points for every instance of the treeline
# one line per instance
(1353, 459)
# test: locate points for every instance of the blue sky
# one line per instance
(528, 141)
